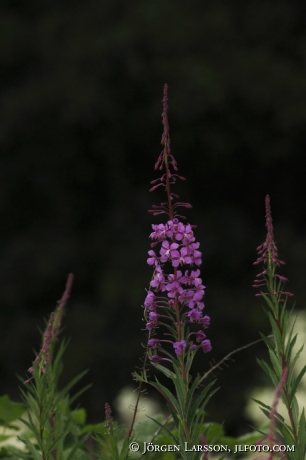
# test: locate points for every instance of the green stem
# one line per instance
(171, 216)
(275, 302)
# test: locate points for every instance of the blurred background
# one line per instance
(80, 103)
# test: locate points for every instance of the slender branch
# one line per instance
(216, 366)
(139, 391)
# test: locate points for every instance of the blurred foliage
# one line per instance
(80, 104)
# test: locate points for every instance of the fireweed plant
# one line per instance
(46, 427)
(280, 346)
(174, 304)
(53, 433)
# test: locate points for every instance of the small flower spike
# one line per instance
(268, 255)
(59, 312)
(108, 417)
(176, 289)
(52, 331)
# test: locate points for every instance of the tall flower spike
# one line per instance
(268, 255)
(177, 299)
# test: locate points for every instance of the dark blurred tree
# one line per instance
(81, 88)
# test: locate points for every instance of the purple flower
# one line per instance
(193, 278)
(198, 292)
(205, 321)
(194, 253)
(159, 232)
(169, 251)
(194, 315)
(179, 346)
(154, 316)
(153, 343)
(206, 346)
(174, 288)
(153, 260)
(178, 277)
(196, 281)
(281, 278)
(149, 302)
(151, 325)
(188, 235)
(186, 296)
(158, 281)
(184, 257)
(176, 229)
(172, 227)
(156, 359)
(200, 336)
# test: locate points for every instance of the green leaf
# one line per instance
(61, 395)
(289, 347)
(174, 415)
(36, 455)
(189, 360)
(200, 402)
(78, 416)
(302, 436)
(285, 431)
(5, 437)
(276, 334)
(181, 390)
(262, 405)
(57, 440)
(276, 363)
(145, 429)
(76, 395)
(10, 410)
(165, 371)
(268, 341)
(189, 414)
(268, 371)
(296, 382)
(295, 409)
(93, 428)
(165, 429)
(167, 395)
(213, 432)
(268, 301)
(291, 373)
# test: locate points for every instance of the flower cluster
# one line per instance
(179, 248)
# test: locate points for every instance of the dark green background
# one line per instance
(80, 128)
